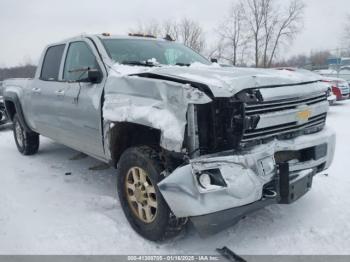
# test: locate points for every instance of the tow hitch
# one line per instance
(292, 186)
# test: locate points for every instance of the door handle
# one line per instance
(36, 90)
(59, 92)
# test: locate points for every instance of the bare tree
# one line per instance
(288, 24)
(319, 58)
(270, 26)
(299, 61)
(171, 28)
(270, 20)
(253, 28)
(149, 28)
(253, 11)
(217, 50)
(258, 28)
(232, 35)
(191, 34)
(22, 71)
(186, 31)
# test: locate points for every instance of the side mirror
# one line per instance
(213, 60)
(94, 76)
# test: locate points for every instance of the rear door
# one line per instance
(44, 97)
(81, 104)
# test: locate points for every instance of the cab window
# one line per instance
(78, 60)
(51, 63)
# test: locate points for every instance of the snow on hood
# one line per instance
(119, 70)
(228, 81)
(224, 81)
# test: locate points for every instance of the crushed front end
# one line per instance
(259, 147)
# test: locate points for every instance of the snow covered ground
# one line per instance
(45, 211)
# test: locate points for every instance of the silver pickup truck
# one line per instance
(191, 140)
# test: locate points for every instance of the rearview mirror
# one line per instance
(213, 60)
(94, 76)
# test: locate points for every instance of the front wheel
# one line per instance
(139, 171)
(27, 142)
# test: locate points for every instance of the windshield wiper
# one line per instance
(139, 63)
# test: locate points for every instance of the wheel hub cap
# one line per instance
(141, 194)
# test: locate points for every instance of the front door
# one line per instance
(81, 104)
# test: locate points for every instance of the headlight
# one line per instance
(210, 180)
(204, 180)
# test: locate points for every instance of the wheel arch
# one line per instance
(13, 106)
(123, 135)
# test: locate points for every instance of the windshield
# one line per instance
(133, 51)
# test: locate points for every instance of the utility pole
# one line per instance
(338, 61)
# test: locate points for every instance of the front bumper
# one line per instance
(287, 191)
(245, 175)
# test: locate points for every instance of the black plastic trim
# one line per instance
(215, 222)
(12, 97)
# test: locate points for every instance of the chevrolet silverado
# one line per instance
(191, 140)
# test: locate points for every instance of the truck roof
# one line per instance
(109, 36)
(130, 36)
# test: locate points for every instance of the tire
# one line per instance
(27, 142)
(162, 224)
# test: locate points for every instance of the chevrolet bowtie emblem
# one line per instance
(304, 115)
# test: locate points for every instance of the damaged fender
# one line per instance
(155, 103)
(241, 174)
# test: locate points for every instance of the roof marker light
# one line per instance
(142, 35)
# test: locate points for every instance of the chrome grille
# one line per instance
(313, 124)
(268, 107)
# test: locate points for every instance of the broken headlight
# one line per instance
(210, 180)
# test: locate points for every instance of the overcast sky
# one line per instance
(27, 26)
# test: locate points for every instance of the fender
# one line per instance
(13, 98)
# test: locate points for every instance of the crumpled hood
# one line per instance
(227, 81)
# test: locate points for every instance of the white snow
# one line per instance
(120, 70)
(201, 65)
(124, 70)
(43, 211)
(119, 108)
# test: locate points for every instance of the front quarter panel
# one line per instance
(155, 103)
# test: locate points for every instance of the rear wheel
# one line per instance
(27, 142)
(139, 171)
